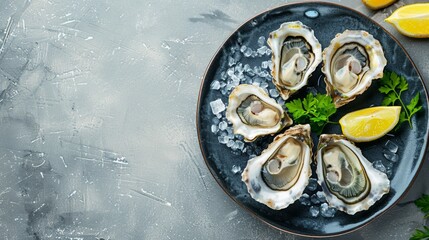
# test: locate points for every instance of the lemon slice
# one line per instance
(377, 4)
(411, 20)
(370, 123)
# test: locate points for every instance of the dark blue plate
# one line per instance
(326, 20)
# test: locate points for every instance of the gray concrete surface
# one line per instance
(97, 122)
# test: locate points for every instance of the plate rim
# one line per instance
(215, 176)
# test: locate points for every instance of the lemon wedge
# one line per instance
(411, 20)
(370, 123)
(377, 4)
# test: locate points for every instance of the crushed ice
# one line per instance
(235, 169)
(241, 70)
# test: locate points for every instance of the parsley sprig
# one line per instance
(393, 86)
(420, 234)
(313, 109)
(423, 204)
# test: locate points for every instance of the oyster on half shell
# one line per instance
(278, 176)
(253, 113)
(296, 52)
(349, 181)
(350, 63)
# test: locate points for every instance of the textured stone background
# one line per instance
(97, 118)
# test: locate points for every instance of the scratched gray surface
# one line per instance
(97, 122)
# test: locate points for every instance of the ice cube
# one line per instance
(261, 41)
(314, 199)
(243, 48)
(327, 211)
(270, 65)
(281, 101)
(215, 85)
(235, 79)
(248, 52)
(321, 196)
(223, 75)
(250, 73)
(247, 67)
(264, 74)
(314, 211)
(234, 146)
(257, 70)
(268, 51)
(231, 135)
(305, 199)
(389, 172)
(258, 80)
(274, 93)
(217, 106)
(237, 56)
(234, 48)
(264, 85)
(262, 50)
(214, 129)
(229, 130)
(223, 125)
(391, 146)
(230, 143)
(231, 61)
(393, 157)
(230, 71)
(215, 120)
(223, 139)
(218, 116)
(264, 65)
(235, 169)
(239, 68)
(312, 184)
(247, 80)
(240, 144)
(379, 166)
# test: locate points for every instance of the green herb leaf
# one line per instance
(390, 99)
(313, 109)
(295, 107)
(403, 84)
(385, 89)
(420, 234)
(423, 204)
(392, 85)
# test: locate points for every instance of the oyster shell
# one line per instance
(350, 63)
(253, 113)
(278, 176)
(349, 181)
(295, 55)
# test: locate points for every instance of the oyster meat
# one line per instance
(349, 181)
(350, 63)
(253, 113)
(278, 176)
(296, 52)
